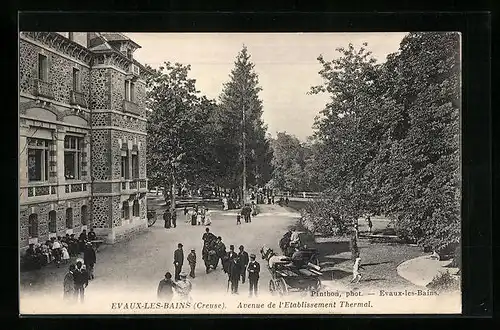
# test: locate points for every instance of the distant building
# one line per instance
(82, 136)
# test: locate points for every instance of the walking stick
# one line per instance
(227, 285)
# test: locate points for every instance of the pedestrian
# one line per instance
(193, 217)
(174, 218)
(234, 272)
(89, 258)
(208, 218)
(69, 284)
(238, 219)
(253, 275)
(167, 218)
(220, 249)
(370, 224)
(81, 279)
(191, 258)
(230, 256)
(178, 260)
(243, 258)
(165, 290)
(356, 275)
(65, 253)
(56, 251)
(183, 287)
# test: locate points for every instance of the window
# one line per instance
(84, 215)
(135, 208)
(125, 166)
(69, 218)
(73, 149)
(127, 90)
(33, 226)
(76, 80)
(52, 222)
(125, 210)
(43, 67)
(132, 92)
(38, 159)
(135, 166)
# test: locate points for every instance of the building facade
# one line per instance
(82, 145)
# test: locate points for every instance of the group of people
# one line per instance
(79, 274)
(235, 265)
(198, 216)
(247, 211)
(58, 250)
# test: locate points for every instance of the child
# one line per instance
(198, 218)
(356, 275)
(238, 219)
(65, 254)
(208, 219)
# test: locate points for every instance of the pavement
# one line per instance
(421, 270)
(141, 262)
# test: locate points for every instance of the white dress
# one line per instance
(65, 254)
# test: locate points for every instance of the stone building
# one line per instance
(82, 146)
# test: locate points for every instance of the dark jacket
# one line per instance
(81, 277)
(92, 236)
(191, 258)
(243, 257)
(179, 257)
(207, 237)
(69, 283)
(165, 289)
(234, 270)
(89, 257)
(253, 270)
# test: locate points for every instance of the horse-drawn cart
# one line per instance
(287, 277)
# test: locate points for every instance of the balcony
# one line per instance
(133, 186)
(43, 88)
(78, 98)
(40, 190)
(131, 107)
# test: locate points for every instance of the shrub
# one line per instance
(444, 281)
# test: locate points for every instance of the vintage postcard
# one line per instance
(239, 173)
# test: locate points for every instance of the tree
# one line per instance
(238, 125)
(346, 133)
(176, 135)
(420, 180)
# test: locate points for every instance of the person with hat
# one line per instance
(234, 272)
(229, 257)
(81, 279)
(243, 258)
(183, 287)
(220, 249)
(191, 258)
(89, 258)
(165, 288)
(253, 275)
(178, 260)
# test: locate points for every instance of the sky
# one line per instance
(286, 64)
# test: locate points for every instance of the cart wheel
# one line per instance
(282, 287)
(272, 287)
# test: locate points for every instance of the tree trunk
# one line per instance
(172, 193)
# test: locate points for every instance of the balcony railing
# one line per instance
(78, 98)
(41, 190)
(131, 107)
(43, 88)
(134, 185)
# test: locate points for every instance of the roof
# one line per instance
(115, 36)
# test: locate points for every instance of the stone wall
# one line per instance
(60, 72)
(100, 89)
(42, 210)
(101, 155)
(101, 212)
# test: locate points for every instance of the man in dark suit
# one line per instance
(178, 261)
(81, 279)
(243, 257)
(234, 272)
(230, 256)
(253, 274)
